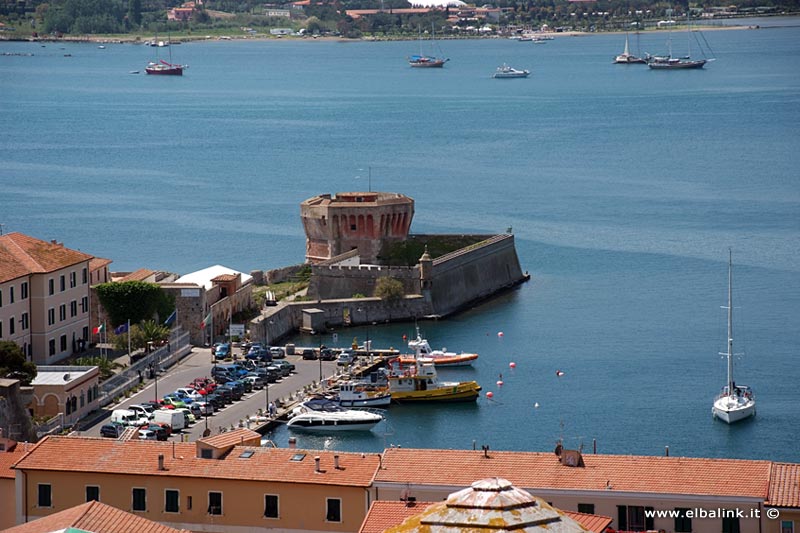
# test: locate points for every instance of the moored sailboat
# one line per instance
(735, 402)
(626, 58)
(164, 68)
(422, 60)
(668, 62)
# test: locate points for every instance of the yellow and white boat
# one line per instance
(420, 383)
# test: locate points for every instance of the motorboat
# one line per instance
(441, 358)
(735, 402)
(325, 415)
(363, 394)
(504, 71)
(420, 383)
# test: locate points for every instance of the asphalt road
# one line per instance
(199, 364)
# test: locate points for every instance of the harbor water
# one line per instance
(624, 188)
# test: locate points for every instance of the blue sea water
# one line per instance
(624, 187)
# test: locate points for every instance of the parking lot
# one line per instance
(200, 364)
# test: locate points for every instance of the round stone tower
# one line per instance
(363, 221)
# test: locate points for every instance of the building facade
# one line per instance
(214, 485)
(44, 297)
(72, 390)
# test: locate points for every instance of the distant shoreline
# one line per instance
(139, 39)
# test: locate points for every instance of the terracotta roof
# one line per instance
(95, 517)
(137, 275)
(622, 473)
(96, 263)
(98, 455)
(230, 438)
(7, 459)
(21, 255)
(784, 485)
(384, 514)
(226, 277)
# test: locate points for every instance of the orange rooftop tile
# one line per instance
(95, 517)
(7, 459)
(231, 438)
(21, 255)
(98, 455)
(138, 275)
(623, 473)
(784, 486)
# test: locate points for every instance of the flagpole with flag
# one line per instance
(129, 337)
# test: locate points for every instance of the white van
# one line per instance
(142, 411)
(126, 417)
(174, 419)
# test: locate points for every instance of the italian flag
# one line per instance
(206, 321)
(99, 329)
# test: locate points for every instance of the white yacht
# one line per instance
(325, 415)
(504, 71)
(735, 402)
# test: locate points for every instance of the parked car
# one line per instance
(146, 434)
(345, 359)
(285, 367)
(160, 431)
(142, 410)
(308, 353)
(223, 351)
(238, 385)
(326, 354)
(228, 393)
(200, 409)
(174, 401)
(216, 400)
(255, 381)
(277, 352)
(111, 430)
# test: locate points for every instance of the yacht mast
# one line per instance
(730, 324)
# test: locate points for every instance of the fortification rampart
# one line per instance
(277, 322)
(338, 281)
(474, 273)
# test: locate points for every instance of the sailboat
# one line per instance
(425, 61)
(735, 402)
(161, 67)
(671, 63)
(626, 57)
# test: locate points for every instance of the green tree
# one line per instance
(154, 332)
(105, 365)
(135, 12)
(390, 289)
(136, 301)
(14, 365)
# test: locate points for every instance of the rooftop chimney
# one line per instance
(316, 464)
(161, 462)
(292, 442)
(336, 462)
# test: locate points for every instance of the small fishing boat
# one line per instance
(325, 415)
(420, 383)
